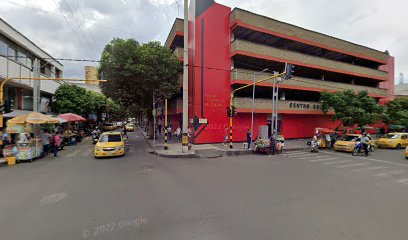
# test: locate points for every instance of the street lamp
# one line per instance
(253, 100)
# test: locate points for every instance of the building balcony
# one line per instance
(264, 24)
(176, 30)
(179, 52)
(241, 76)
(244, 105)
(245, 48)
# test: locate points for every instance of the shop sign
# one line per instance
(304, 106)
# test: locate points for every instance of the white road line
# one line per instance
(369, 168)
(74, 153)
(321, 159)
(371, 159)
(403, 180)
(336, 162)
(295, 154)
(387, 174)
(353, 165)
(311, 156)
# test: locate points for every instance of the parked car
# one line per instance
(110, 144)
(393, 140)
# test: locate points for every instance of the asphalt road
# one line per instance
(297, 195)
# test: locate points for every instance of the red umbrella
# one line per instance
(70, 117)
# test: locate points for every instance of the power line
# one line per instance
(79, 25)
(73, 31)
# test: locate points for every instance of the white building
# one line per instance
(20, 57)
(401, 90)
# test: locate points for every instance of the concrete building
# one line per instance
(227, 47)
(91, 73)
(401, 90)
(20, 57)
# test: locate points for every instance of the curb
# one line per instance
(187, 155)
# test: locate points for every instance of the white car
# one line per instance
(119, 124)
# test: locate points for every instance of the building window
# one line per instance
(3, 47)
(11, 53)
(22, 57)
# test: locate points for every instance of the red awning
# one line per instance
(70, 117)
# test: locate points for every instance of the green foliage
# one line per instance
(74, 99)
(134, 72)
(397, 111)
(350, 108)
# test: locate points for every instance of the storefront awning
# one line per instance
(16, 113)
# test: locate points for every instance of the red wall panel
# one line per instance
(302, 126)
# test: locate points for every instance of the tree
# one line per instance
(71, 98)
(397, 111)
(134, 72)
(350, 108)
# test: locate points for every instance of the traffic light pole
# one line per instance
(240, 88)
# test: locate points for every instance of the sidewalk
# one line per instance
(211, 150)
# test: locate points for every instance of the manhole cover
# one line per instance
(53, 198)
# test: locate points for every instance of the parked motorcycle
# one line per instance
(95, 136)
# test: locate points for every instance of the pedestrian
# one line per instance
(328, 141)
(45, 139)
(169, 132)
(159, 127)
(225, 136)
(57, 142)
(178, 134)
(249, 138)
(272, 144)
(124, 132)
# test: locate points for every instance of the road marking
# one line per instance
(296, 154)
(403, 180)
(74, 153)
(353, 165)
(53, 198)
(321, 159)
(336, 162)
(371, 159)
(369, 168)
(387, 174)
(311, 156)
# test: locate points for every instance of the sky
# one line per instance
(81, 28)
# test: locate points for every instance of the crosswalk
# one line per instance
(376, 168)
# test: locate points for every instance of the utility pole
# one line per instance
(36, 84)
(166, 132)
(185, 81)
(253, 101)
(154, 119)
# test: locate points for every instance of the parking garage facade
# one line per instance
(229, 48)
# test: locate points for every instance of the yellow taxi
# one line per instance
(108, 127)
(393, 140)
(130, 127)
(406, 153)
(348, 141)
(110, 144)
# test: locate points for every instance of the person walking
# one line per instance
(249, 138)
(225, 136)
(45, 139)
(328, 141)
(159, 127)
(56, 142)
(124, 132)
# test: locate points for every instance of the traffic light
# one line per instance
(290, 69)
(229, 112)
(234, 111)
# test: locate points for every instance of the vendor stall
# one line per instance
(27, 129)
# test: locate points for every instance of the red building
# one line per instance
(227, 47)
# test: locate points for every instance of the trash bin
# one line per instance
(11, 160)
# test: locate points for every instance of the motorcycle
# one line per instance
(359, 148)
(95, 137)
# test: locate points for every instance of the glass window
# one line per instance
(22, 57)
(11, 53)
(3, 47)
(111, 138)
(29, 63)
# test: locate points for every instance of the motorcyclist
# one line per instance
(365, 141)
